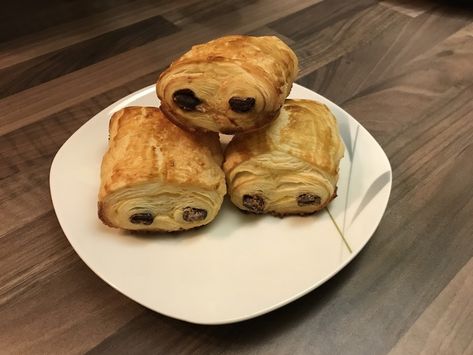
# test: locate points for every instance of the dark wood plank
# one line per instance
(54, 301)
(19, 18)
(55, 64)
(419, 90)
(309, 22)
(318, 48)
(25, 261)
(145, 330)
(210, 11)
(383, 57)
(37, 44)
(444, 327)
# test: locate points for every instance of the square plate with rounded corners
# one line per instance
(238, 267)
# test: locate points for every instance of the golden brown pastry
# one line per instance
(228, 85)
(156, 176)
(288, 167)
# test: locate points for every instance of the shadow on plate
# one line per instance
(153, 330)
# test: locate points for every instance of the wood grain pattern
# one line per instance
(318, 47)
(403, 69)
(80, 85)
(445, 326)
(409, 7)
(35, 261)
(58, 37)
(55, 64)
(384, 56)
(20, 18)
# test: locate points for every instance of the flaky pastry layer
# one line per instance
(156, 176)
(288, 167)
(228, 85)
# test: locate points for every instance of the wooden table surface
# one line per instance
(404, 69)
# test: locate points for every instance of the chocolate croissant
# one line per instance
(156, 176)
(228, 85)
(288, 167)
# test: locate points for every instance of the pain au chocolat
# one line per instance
(290, 166)
(156, 176)
(228, 85)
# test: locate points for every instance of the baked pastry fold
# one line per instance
(228, 85)
(156, 176)
(290, 166)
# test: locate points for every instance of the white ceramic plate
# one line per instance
(238, 267)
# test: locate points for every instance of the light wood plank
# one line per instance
(446, 326)
(325, 46)
(409, 7)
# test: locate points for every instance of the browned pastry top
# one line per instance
(166, 153)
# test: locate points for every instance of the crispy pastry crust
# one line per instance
(297, 154)
(154, 167)
(245, 67)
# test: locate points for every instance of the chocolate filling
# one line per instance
(145, 218)
(254, 203)
(308, 199)
(241, 104)
(191, 214)
(186, 99)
